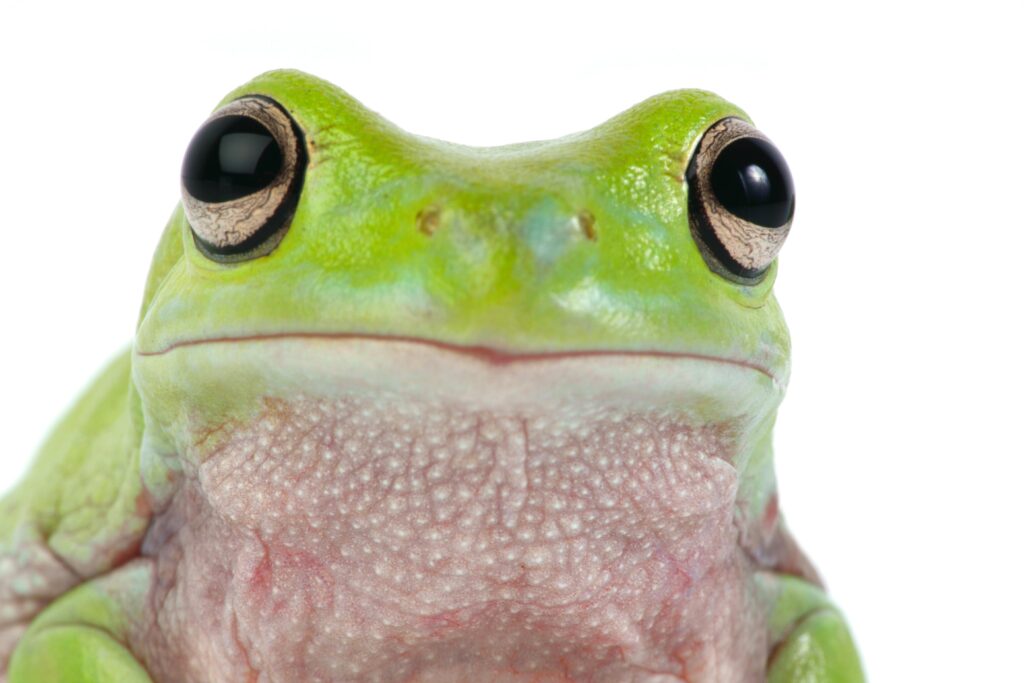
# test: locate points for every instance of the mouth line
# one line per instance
(486, 354)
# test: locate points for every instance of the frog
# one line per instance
(399, 409)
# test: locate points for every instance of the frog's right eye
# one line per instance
(241, 179)
(741, 200)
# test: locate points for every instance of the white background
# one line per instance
(899, 445)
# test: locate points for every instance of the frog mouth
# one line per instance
(249, 367)
(490, 355)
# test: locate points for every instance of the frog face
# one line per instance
(319, 246)
(456, 401)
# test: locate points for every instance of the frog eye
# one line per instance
(241, 178)
(741, 200)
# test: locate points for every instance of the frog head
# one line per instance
(320, 251)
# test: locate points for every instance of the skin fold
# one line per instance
(481, 414)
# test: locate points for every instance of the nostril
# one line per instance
(428, 220)
(585, 222)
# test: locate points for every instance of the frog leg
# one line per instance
(812, 643)
(79, 512)
(82, 637)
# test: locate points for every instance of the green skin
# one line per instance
(493, 275)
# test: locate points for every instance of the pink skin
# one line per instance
(364, 541)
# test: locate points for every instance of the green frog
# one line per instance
(404, 410)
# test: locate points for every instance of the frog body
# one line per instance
(402, 410)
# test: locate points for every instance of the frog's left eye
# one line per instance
(241, 179)
(741, 200)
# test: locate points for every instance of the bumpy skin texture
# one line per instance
(483, 414)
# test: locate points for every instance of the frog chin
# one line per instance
(418, 508)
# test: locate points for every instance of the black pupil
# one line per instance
(230, 157)
(751, 180)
